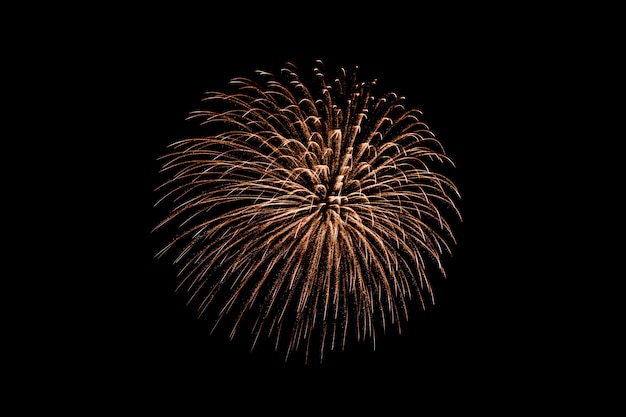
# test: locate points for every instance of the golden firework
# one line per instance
(315, 210)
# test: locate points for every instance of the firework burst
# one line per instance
(311, 212)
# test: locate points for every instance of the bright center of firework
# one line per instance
(334, 202)
(334, 199)
(330, 197)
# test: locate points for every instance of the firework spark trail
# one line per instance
(316, 211)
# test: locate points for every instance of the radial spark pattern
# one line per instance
(310, 212)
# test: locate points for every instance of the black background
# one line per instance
(505, 332)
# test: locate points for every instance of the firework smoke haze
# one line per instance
(311, 212)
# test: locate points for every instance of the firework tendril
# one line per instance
(311, 212)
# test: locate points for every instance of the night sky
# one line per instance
(494, 323)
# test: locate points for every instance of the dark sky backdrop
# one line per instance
(473, 80)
